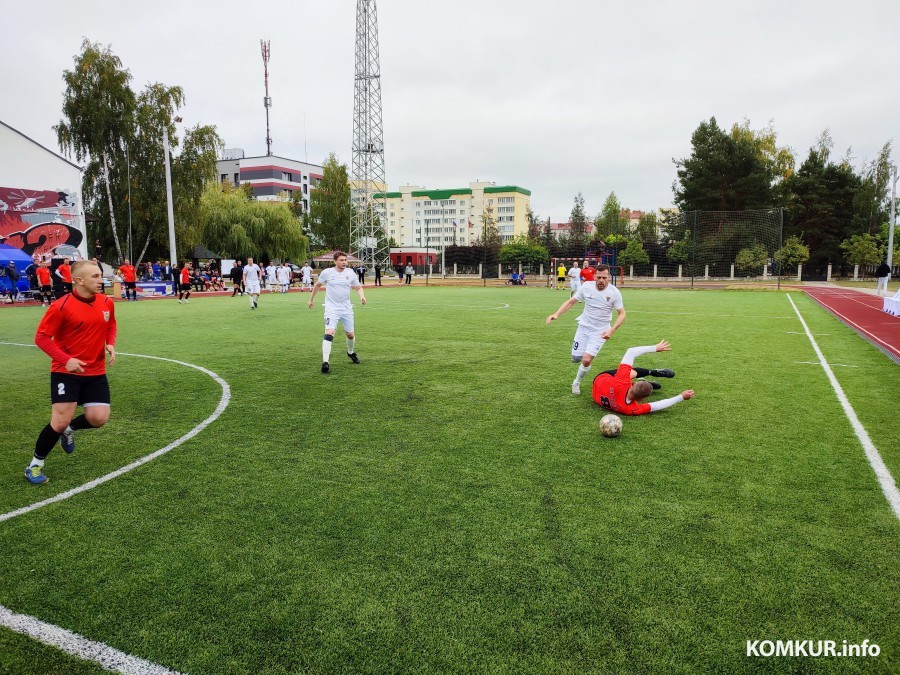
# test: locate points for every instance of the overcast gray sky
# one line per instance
(559, 97)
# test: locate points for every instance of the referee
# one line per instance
(77, 333)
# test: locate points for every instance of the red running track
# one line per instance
(862, 312)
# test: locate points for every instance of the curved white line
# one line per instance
(73, 643)
(223, 403)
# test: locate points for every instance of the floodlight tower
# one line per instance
(267, 100)
(367, 233)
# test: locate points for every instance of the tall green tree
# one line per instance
(820, 204)
(524, 250)
(490, 234)
(534, 224)
(607, 221)
(871, 203)
(578, 222)
(237, 227)
(723, 173)
(647, 229)
(634, 254)
(98, 107)
(330, 207)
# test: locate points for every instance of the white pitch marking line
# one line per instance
(885, 479)
(796, 332)
(816, 363)
(73, 643)
(223, 403)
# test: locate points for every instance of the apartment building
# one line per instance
(272, 177)
(416, 216)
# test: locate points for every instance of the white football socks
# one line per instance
(350, 345)
(582, 371)
(326, 350)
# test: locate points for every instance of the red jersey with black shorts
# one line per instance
(43, 276)
(185, 278)
(128, 274)
(75, 327)
(610, 392)
(65, 273)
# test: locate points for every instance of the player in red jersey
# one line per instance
(129, 277)
(64, 272)
(184, 278)
(587, 273)
(617, 392)
(77, 333)
(44, 282)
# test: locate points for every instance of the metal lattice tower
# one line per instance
(267, 100)
(367, 234)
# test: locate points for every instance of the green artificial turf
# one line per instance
(447, 505)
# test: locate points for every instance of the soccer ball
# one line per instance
(610, 426)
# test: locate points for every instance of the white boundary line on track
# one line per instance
(72, 643)
(885, 479)
(223, 403)
(75, 644)
(852, 295)
(890, 348)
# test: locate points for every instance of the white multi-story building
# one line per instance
(416, 216)
(271, 176)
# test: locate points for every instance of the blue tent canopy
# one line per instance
(20, 259)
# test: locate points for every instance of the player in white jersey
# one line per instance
(574, 277)
(284, 277)
(338, 281)
(600, 299)
(306, 272)
(252, 275)
(271, 279)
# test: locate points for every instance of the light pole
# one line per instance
(128, 165)
(172, 256)
(890, 249)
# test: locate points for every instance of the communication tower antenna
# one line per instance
(267, 100)
(367, 217)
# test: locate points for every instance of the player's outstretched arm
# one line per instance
(664, 346)
(563, 308)
(687, 394)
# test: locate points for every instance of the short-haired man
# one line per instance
(129, 278)
(184, 285)
(64, 272)
(252, 275)
(615, 390)
(883, 274)
(271, 277)
(306, 277)
(44, 283)
(574, 275)
(594, 327)
(284, 277)
(338, 281)
(77, 333)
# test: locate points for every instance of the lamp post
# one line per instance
(890, 248)
(172, 255)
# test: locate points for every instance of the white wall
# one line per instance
(25, 164)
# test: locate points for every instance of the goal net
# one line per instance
(723, 246)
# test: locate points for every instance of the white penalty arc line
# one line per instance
(75, 644)
(107, 657)
(223, 403)
(885, 479)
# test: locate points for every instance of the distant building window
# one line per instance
(305, 189)
(237, 179)
(289, 177)
(224, 177)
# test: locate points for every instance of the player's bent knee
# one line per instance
(97, 415)
(350, 336)
(586, 360)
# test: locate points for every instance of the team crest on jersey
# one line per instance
(106, 315)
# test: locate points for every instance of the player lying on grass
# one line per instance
(616, 390)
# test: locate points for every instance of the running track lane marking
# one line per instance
(72, 643)
(855, 325)
(223, 403)
(885, 479)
